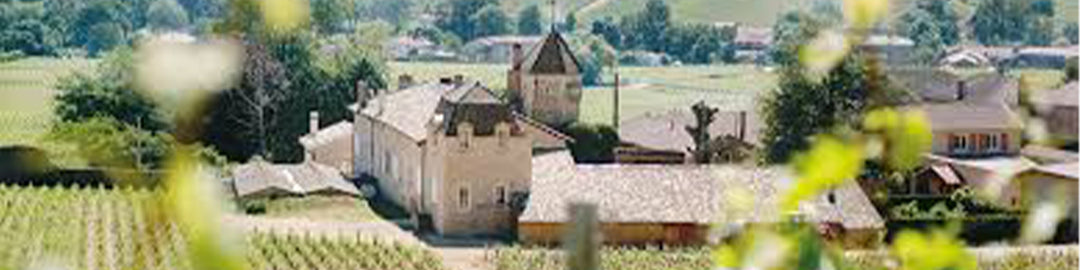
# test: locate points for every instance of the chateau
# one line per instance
(546, 82)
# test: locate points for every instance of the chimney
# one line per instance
(459, 79)
(515, 56)
(961, 90)
(362, 95)
(405, 81)
(742, 125)
(615, 108)
(313, 125)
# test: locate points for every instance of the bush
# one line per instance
(254, 207)
(593, 143)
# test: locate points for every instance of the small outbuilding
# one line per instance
(261, 179)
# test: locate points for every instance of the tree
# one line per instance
(1071, 70)
(703, 118)
(166, 14)
(394, 12)
(29, 36)
(529, 21)
(330, 16)
(109, 92)
(570, 25)
(648, 28)
(921, 28)
(460, 17)
(944, 18)
(1072, 33)
(256, 102)
(491, 21)
(101, 26)
(593, 143)
(792, 30)
(610, 31)
(1008, 22)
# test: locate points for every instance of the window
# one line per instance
(500, 195)
(465, 133)
(502, 131)
(463, 198)
(991, 142)
(958, 143)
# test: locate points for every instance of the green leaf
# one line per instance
(829, 163)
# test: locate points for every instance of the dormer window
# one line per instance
(465, 133)
(502, 131)
(991, 143)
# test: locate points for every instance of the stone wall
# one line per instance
(481, 167)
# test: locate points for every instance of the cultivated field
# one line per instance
(26, 88)
(319, 208)
(105, 229)
(990, 258)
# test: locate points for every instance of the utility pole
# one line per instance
(615, 106)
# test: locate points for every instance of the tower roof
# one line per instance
(551, 56)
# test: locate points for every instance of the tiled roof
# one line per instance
(340, 130)
(408, 110)
(551, 56)
(667, 130)
(1064, 96)
(1066, 170)
(1045, 154)
(959, 115)
(684, 194)
(754, 35)
(943, 86)
(259, 177)
(477, 105)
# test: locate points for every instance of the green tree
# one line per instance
(396, 12)
(1008, 22)
(29, 36)
(792, 30)
(1072, 33)
(570, 25)
(609, 30)
(166, 14)
(593, 143)
(491, 21)
(1071, 70)
(330, 16)
(945, 19)
(101, 26)
(460, 17)
(529, 22)
(648, 28)
(920, 27)
(108, 92)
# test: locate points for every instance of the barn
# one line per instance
(678, 204)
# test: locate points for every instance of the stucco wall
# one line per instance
(394, 160)
(337, 153)
(480, 168)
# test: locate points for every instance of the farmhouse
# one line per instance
(496, 49)
(451, 153)
(677, 204)
(662, 137)
(546, 82)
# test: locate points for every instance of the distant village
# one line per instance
(462, 160)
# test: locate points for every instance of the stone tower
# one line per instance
(545, 83)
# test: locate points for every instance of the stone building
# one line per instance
(451, 153)
(331, 146)
(546, 82)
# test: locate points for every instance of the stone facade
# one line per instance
(546, 82)
(452, 152)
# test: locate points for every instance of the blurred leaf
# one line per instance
(1042, 221)
(863, 14)
(828, 163)
(204, 68)
(285, 15)
(906, 133)
(824, 52)
(936, 250)
(193, 199)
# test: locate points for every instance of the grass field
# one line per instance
(61, 228)
(645, 89)
(27, 89)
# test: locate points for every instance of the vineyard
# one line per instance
(99, 229)
(989, 258)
